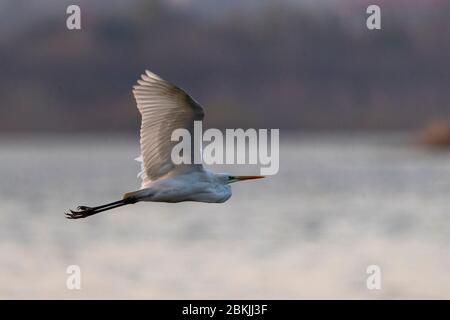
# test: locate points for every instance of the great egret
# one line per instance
(164, 108)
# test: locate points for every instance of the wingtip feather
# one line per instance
(152, 75)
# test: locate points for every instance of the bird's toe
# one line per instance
(83, 213)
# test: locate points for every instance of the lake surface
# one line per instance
(338, 204)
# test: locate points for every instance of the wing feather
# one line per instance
(164, 107)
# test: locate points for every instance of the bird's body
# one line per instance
(199, 185)
(165, 108)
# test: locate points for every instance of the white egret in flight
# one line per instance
(164, 108)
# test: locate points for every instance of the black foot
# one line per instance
(82, 212)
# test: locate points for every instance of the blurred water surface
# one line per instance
(338, 204)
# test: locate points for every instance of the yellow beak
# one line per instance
(241, 178)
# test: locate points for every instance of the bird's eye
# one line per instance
(230, 178)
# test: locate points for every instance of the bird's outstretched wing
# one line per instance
(164, 108)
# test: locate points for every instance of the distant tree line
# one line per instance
(280, 67)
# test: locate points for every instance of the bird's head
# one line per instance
(227, 178)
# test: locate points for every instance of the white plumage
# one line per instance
(165, 108)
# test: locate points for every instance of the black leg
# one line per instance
(83, 208)
(84, 211)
